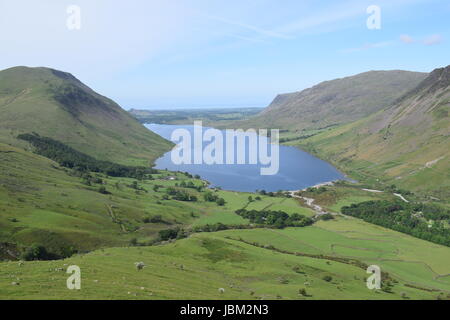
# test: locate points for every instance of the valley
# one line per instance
(66, 199)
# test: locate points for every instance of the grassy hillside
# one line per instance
(406, 144)
(247, 264)
(336, 102)
(57, 105)
(44, 203)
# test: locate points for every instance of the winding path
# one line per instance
(310, 203)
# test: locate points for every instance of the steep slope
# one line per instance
(338, 101)
(407, 142)
(56, 104)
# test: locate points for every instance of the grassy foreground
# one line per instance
(197, 267)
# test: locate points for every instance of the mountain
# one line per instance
(55, 104)
(407, 142)
(338, 101)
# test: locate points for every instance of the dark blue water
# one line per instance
(297, 169)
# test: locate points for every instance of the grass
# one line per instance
(193, 268)
(351, 238)
(238, 200)
(400, 160)
(333, 198)
(41, 203)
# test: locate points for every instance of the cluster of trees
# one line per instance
(190, 185)
(279, 193)
(39, 252)
(103, 190)
(155, 219)
(394, 189)
(179, 233)
(180, 195)
(432, 211)
(405, 217)
(187, 174)
(135, 185)
(295, 138)
(211, 197)
(318, 190)
(326, 216)
(71, 158)
(89, 180)
(277, 219)
(213, 227)
(220, 226)
(175, 233)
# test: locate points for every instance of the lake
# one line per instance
(297, 169)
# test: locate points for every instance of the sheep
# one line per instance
(221, 290)
(139, 265)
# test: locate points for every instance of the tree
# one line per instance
(210, 197)
(220, 201)
(302, 292)
(168, 234)
(36, 252)
(156, 219)
(103, 190)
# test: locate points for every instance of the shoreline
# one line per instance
(322, 184)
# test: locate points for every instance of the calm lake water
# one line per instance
(297, 169)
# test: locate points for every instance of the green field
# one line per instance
(409, 259)
(195, 268)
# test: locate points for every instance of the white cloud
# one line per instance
(406, 38)
(433, 39)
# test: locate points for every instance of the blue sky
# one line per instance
(207, 53)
